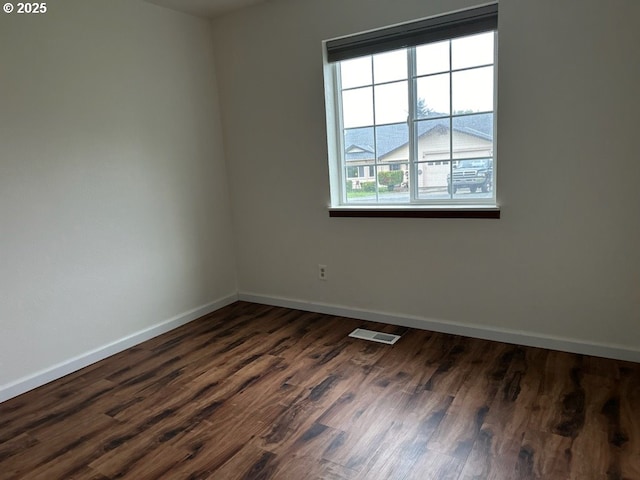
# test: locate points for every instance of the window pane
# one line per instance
(432, 178)
(357, 107)
(434, 141)
(432, 58)
(433, 96)
(361, 172)
(393, 183)
(390, 66)
(392, 103)
(358, 144)
(473, 178)
(361, 188)
(473, 136)
(473, 90)
(356, 72)
(359, 157)
(392, 143)
(361, 192)
(472, 51)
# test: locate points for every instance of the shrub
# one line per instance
(368, 186)
(390, 178)
(349, 185)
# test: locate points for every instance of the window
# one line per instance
(415, 103)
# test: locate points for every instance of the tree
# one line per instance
(422, 110)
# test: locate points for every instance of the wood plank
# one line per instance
(622, 413)
(545, 455)
(496, 450)
(415, 419)
(461, 425)
(215, 442)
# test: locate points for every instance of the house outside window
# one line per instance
(418, 120)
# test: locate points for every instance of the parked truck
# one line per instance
(476, 174)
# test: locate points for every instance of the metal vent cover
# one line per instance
(374, 336)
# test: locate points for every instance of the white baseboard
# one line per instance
(71, 365)
(531, 339)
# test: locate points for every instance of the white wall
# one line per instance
(563, 261)
(114, 208)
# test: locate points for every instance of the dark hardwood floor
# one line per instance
(258, 392)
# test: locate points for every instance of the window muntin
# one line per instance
(416, 111)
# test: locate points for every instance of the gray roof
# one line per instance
(359, 142)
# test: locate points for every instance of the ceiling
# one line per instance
(205, 8)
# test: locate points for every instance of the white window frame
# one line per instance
(337, 162)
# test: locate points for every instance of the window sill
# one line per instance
(416, 212)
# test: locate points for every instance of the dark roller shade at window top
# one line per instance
(458, 24)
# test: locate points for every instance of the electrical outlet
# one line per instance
(322, 272)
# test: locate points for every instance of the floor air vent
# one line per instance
(380, 337)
